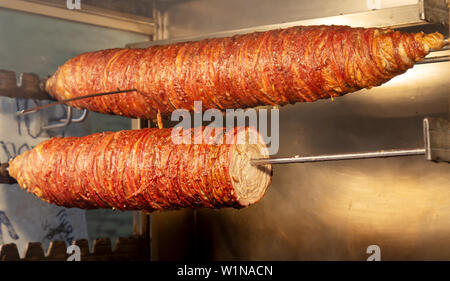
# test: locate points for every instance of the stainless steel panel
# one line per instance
(330, 210)
(395, 17)
(85, 14)
(194, 17)
(436, 11)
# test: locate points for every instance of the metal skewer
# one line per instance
(434, 59)
(34, 109)
(435, 135)
(334, 157)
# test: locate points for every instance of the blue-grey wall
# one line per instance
(38, 44)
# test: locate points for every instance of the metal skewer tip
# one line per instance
(23, 112)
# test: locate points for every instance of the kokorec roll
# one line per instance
(277, 67)
(146, 170)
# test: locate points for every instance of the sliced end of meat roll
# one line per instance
(250, 182)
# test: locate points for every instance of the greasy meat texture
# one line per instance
(144, 170)
(297, 64)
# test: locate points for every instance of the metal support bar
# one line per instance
(62, 124)
(87, 15)
(80, 119)
(434, 59)
(436, 132)
(437, 139)
(335, 157)
(29, 86)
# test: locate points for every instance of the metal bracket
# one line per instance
(29, 86)
(68, 120)
(435, 11)
(88, 14)
(436, 133)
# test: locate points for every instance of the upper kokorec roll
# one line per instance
(145, 170)
(297, 64)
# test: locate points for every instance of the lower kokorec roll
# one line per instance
(146, 170)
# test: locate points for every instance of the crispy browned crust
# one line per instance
(130, 170)
(297, 64)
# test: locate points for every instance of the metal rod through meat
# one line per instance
(345, 156)
(434, 59)
(34, 109)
